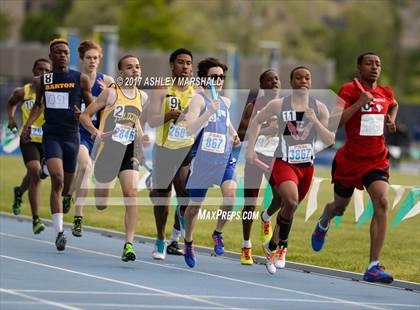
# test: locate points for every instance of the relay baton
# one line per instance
(360, 87)
(214, 97)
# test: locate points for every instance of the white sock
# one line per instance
(246, 244)
(373, 263)
(265, 216)
(175, 234)
(58, 222)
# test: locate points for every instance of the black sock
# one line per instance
(216, 232)
(272, 246)
(285, 226)
(188, 242)
(35, 217)
(283, 243)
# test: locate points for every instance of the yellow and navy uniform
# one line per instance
(116, 153)
(28, 102)
(172, 135)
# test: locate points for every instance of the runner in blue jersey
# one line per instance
(213, 163)
(60, 93)
(90, 55)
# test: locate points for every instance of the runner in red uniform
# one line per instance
(363, 160)
(301, 121)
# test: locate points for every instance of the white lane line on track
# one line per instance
(118, 306)
(39, 300)
(61, 292)
(116, 281)
(343, 301)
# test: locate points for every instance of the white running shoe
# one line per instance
(160, 250)
(280, 258)
(270, 256)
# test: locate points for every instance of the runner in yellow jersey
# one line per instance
(172, 149)
(120, 152)
(32, 151)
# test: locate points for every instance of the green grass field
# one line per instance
(347, 247)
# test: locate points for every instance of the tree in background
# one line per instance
(42, 26)
(4, 25)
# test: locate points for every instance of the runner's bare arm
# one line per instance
(348, 113)
(321, 125)
(391, 117)
(86, 89)
(14, 99)
(100, 102)
(246, 118)
(270, 110)
(194, 121)
(155, 117)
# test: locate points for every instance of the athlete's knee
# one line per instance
(34, 175)
(129, 192)
(85, 166)
(380, 204)
(290, 202)
(57, 180)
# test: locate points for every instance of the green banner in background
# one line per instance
(406, 206)
(367, 214)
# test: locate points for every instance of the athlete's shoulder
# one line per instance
(144, 97)
(386, 91)
(348, 87)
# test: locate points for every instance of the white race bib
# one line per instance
(56, 100)
(266, 145)
(301, 153)
(213, 142)
(372, 125)
(36, 132)
(177, 133)
(124, 134)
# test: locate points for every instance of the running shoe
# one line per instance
(60, 241)
(181, 221)
(37, 226)
(174, 249)
(280, 258)
(219, 248)
(77, 229)
(17, 202)
(160, 250)
(246, 256)
(270, 256)
(377, 274)
(67, 202)
(189, 255)
(266, 231)
(318, 237)
(128, 253)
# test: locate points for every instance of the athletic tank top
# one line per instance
(215, 143)
(61, 92)
(95, 90)
(173, 135)
(122, 117)
(28, 102)
(296, 145)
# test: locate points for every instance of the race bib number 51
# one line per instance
(213, 142)
(124, 134)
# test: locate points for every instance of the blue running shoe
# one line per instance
(377, 274)
(189, 254)
(318, 238)
(181, 221)
(219, 247)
